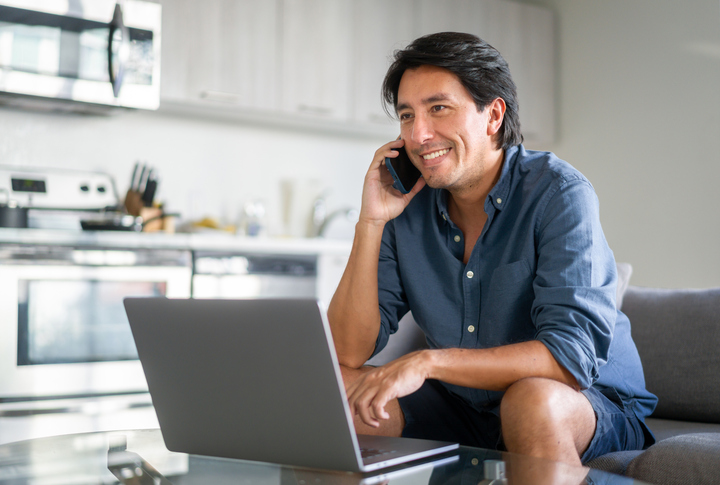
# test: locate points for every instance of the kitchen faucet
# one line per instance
(320, 219)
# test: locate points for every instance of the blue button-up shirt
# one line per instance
(541, 269)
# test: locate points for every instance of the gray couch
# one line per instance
(677, 333)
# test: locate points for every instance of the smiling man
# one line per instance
(499, 254)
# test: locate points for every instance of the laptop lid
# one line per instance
(250, 379)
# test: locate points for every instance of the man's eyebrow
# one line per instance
(437, 97)
(402, 106)
(432, 99)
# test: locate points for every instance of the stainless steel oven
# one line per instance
(66, 345)
(64, 329)
(99, 52)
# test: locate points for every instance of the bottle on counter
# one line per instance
(253, 219)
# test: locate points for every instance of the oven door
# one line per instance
(94, 51)
(65, 332)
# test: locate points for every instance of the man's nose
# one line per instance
(422, 130)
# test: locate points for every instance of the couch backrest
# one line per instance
(677, 333)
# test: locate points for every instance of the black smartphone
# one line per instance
(403, 171)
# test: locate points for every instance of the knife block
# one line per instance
(133, 203)
(153, 217)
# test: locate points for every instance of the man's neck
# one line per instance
(469, 200)
(466, 205)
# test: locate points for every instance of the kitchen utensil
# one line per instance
(12, 215)
(150, 188)
(117, 222)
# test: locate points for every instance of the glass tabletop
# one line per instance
(140, 457)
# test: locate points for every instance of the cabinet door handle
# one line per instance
(219, 96)
(317, 110)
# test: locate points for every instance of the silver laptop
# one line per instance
(255, 380)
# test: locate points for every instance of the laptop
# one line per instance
(257, 380)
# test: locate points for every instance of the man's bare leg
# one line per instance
(540, 417)
(389, 427)
(547, 419)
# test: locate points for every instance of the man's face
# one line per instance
(445, 135)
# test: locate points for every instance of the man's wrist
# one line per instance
(428, 361)
(370, 226)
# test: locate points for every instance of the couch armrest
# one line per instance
(677, 334)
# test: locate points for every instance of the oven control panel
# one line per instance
(52, 188)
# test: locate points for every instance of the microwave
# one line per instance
(91, 53)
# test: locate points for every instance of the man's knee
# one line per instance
(537, 411)
(351, 374)
(531, 398)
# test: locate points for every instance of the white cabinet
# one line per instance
(221, 51)
(380, 27)
(323, 61)
(316, 58)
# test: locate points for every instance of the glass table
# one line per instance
(139, 457)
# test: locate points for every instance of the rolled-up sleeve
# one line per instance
(574, 309)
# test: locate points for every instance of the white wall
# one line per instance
(206, 167)
(639, 104)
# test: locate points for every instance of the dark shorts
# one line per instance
(434, 413)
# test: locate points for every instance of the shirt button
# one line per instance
(457, 238)
(470, 274)
(471, 328)
(499, 200)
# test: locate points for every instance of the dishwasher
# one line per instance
(243, 275)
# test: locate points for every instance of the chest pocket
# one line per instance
(506, 311)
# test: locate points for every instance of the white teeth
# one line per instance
(432, 155)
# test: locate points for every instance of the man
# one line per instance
(500, 256)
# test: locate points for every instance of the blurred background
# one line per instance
(636, 108)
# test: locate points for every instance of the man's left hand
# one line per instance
(369, 394)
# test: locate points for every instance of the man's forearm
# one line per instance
(495, 369)
(354, 312)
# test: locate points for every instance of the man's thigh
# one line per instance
(618, 429)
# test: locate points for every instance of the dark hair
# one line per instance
(478, 65)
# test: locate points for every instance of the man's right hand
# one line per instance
(381, 202)
(354, 312)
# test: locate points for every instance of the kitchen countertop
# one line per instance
(199, 241)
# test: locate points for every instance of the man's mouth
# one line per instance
(433, 155)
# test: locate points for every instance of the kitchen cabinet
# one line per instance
(320, 63)
(316, 56)
(379, 28)
(221, 52)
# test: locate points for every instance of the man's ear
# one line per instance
(496, 114)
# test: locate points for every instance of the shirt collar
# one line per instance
(498, 194)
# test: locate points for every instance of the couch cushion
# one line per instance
(687, 459)
(616, 462)
(667, 428)
(677, 333)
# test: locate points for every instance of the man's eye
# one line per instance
(405, 116)
(438, 107)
